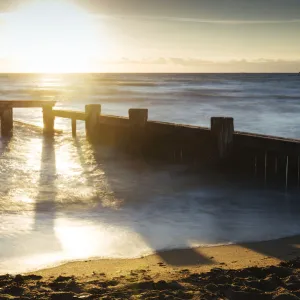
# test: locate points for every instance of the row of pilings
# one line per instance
(271, 161)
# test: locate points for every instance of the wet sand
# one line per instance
(264, 270)
(165, 264)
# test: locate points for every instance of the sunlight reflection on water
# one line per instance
(62, 199)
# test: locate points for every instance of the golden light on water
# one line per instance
(54, 36)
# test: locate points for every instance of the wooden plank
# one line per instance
(114, 120)
(69, 114)
(222, 131)
(263, 142)
(25, 103)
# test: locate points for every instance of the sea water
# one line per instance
(63, 199)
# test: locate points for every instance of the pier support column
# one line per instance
(48, 119)
(222, 130)
(138, 120)
(92, 114)
(74, 127)
(7, 122)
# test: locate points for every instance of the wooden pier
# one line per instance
(6, 113)
(266, 158)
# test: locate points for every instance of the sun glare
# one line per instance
(54, 36)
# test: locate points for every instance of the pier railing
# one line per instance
(271, 159)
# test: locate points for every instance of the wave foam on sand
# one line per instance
(247, 271)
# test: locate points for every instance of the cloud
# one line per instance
(199, 21)
(144, 61)
(198, 62)
(179, 64)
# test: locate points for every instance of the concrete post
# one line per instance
(7, 122)
(92, 113)
(222, 130)
(48, 119)
(138, 119)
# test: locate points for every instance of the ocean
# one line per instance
(63, 199)
(261, 103)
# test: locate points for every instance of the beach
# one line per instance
(89, 222)
(262, 270)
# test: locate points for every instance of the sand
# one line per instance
(244, 271)
(202, 259)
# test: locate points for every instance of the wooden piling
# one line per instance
(7, 122)
(222, 130)
(48, 119)
(298, 175)
(92, 114)
(266, 165)
(74, 127)
(138, 120)
(287, 172)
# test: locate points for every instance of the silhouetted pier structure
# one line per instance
(6, 112)
(269, 159)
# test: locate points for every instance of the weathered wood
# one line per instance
(7, 122)
(270, 143)
(138, 119)
(48, 119)
(266, 165)
(74, 127)
(92, 115)
(114, 120)
(298, 171)
(138, 116)
(222, 130)
(69, 114)
(6, 113)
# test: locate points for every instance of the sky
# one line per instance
(150, 36)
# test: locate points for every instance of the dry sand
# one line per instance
(165, 264)
(245, 271)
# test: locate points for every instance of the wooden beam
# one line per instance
(264, 142)
(69, 114)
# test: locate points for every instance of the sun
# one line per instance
(54, 36)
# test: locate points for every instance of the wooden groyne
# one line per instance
(270, 159)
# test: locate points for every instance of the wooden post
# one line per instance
(266, 165)
(92, 114)
(298, 177)
(74, 127)
(138, 119)
(7, 122)
(287, 172)
(222, 130)
(48, 119)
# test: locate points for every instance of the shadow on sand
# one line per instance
(118, 175)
